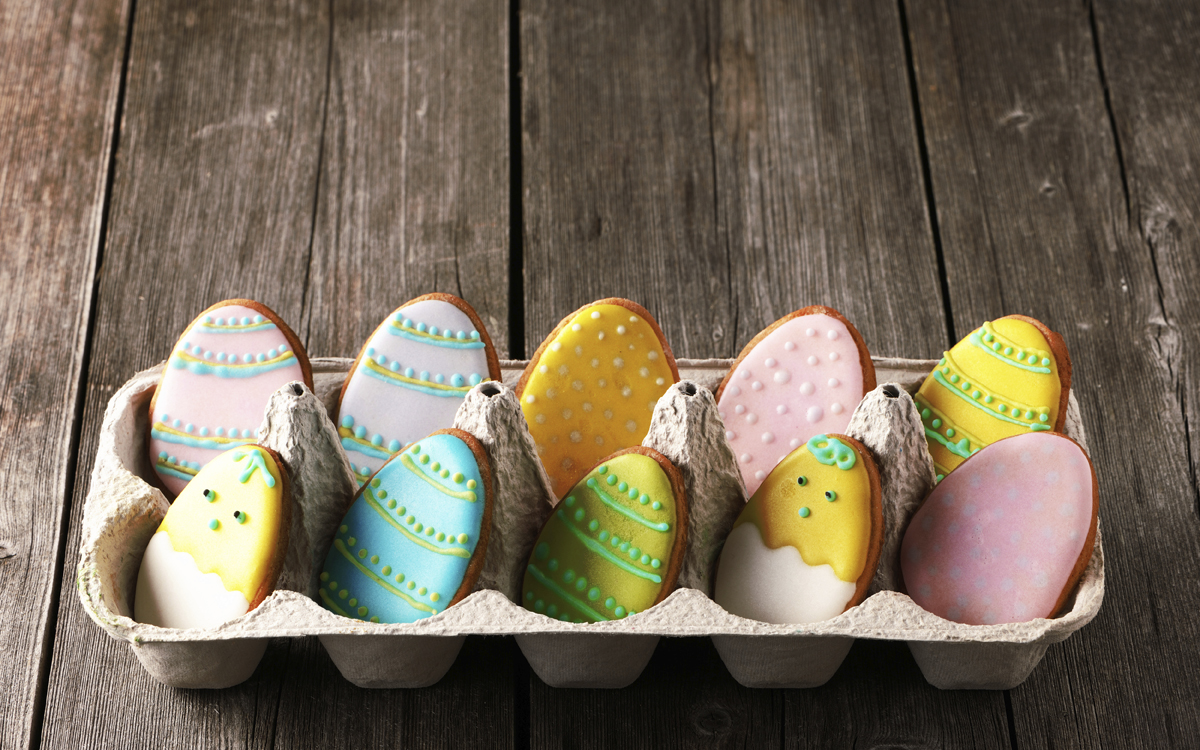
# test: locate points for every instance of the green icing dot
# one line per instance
(1008, 350)
(569, 575)
(612, 479)
(656, 563)
(425, 458)
(429, 531)
(954, 378)
(445, 473)
(644, 499)
(925, 413)
(539, 606)
(570, 501)
(975, 394)
(333, 585)
(552, 565)
(343, 528)
(374, 618)
(987, 399)
(422, 591)
(435, 596)
(936, 423)
(409, 519)
(343, 594)
(619, 611)
(353, 602)
(437, 466)
(830, 495)
(593, 593)
(593, 525)
(615, 540)
(362, 553)
(401, 510)
(382, 494)
(387, 570)
(416, 448)
(581, 584)
(392, 504)
(624, 546)
(1001, 408)
(603, 469)
(440, 537)
(1043, 417)
(633, 493)
(410, 586)
(375, 483)
(462, 538)
(418, 527)
(1045, 362)
(657, 505)
(528, 596)
(399, 578)
(804, 512)
(470, 484)
(580, 515)
(949, 432)
(634, 552)
(996, 346)
(645, 560)
(374, 559)
(458, 477)
(324, 576)
(609, 602)
(362, 611)
(214, 524)
(603, 536)
(622, 487)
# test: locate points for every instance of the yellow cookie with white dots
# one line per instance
(591, 387)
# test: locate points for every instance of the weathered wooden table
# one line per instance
(919, 166)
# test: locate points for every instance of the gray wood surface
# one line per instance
(1062, 166)
(724, 166)
(238, 176)
(922, 166)
(60, 68)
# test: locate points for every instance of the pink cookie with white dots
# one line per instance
(1006, 536)
(802, 376)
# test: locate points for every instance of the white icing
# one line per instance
(776, 585)
(173, 593)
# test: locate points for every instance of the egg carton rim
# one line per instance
(686, 612)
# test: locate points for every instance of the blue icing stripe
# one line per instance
(171, 472)
(382, 551)
(266, 325)
(366, 450)
(201, 367)
(425, 338)
(196, 442)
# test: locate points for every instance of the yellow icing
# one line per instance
(593, 390)
(836, 533)
(997, 378)
(242, 554)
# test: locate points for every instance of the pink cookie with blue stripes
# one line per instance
(216, 384)
(410, 378)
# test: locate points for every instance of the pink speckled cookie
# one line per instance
(1006, 536)
(802, 376)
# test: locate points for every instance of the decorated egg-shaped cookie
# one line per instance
(807, 544)
(413, 542)
(1007, 377)
(614, 545)
(215, 386)
(1006, 536)
(410, 378)
(219, 550)
(591, 387)
(802, 376)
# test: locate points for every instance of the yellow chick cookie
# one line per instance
(219, 550)
(806, 545)
(591, 387)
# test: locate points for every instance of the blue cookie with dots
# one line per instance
(413, 542)
(410, 378)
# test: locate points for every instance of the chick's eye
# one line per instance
(830, 495)
(802, 481)
(240, 517)
(210, 495)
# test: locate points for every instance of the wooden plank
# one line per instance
(237, 176)
(1052, 205)
(415, 176)
(60, 69)
(724, 166)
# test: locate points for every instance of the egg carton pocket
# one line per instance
(122, 511)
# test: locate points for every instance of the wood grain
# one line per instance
(415, 171)
(233, 174)
(60, 68)
(1054, 205)
(724, 165)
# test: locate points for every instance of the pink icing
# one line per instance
(803, 379)
(997, 539)
(207, 401)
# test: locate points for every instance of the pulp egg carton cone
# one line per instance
(123, 510)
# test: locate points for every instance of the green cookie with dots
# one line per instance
(614, 545)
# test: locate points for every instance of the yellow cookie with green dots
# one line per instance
(591, 387)
(219, 550)
(1007, 377)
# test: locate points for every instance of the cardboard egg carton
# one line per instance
(123, 510)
